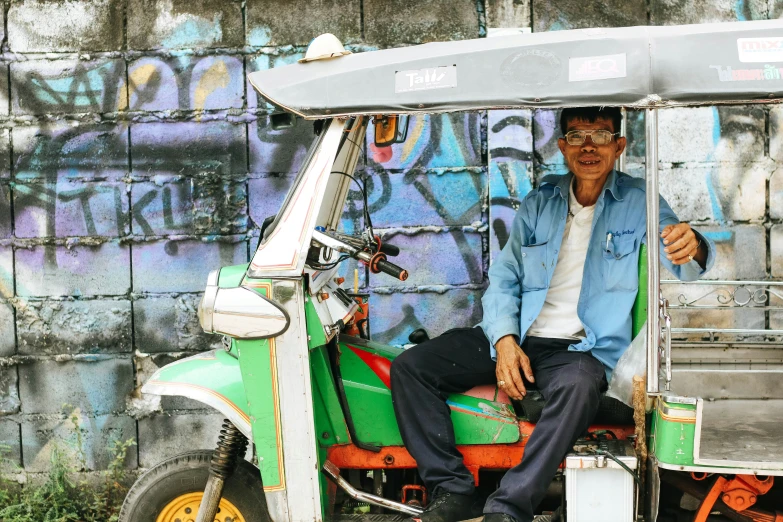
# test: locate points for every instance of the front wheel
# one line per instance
(172, 491)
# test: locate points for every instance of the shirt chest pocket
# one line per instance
(534, 268)
(621, 263)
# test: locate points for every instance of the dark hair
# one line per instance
(590, 114)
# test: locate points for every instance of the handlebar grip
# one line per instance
(390, 268)
(390, 250)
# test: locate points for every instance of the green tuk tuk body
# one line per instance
(301, 380)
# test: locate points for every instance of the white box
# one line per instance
(597, 488)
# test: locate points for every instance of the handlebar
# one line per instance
(386, 248)
(390, 268)
(390, 250)
(377, 262)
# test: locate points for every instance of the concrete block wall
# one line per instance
(134, 158)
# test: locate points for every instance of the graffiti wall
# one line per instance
(135, 158)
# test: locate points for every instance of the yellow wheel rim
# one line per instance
(184, 508)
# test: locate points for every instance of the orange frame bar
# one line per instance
(476, 457)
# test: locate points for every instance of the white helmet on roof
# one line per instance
(323, 47)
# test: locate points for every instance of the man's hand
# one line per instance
(683, 245)
(510, 359)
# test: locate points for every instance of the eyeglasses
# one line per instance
(599, 137)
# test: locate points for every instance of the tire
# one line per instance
(175, 484)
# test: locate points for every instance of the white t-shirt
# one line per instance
(558, 318)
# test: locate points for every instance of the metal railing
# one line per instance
(729, 295)
(653, 270)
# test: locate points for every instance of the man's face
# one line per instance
(591, 162)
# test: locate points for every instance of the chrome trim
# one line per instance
(677, 399)
(756, 344)
(333, 472)
(726, 294)
(243, 313)
(620, 163)
(666, 333)
(295, 392)
(285, 246)
(653, 247)
(697, 429)
(347, 158)
(716, 282)
(728, 331)
(332, 243)
(203, 396)
(206, 307)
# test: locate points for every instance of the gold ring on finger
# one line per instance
(501, 383)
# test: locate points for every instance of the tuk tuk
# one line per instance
(303, 386)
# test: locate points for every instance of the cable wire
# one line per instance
(621, 464)
(366, 209)
(328, 266)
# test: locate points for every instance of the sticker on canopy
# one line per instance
(727, 74)
(530, 68)
(586, 68)
(425, 79)
(769, 49)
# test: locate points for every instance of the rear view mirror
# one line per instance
(390, 129)
(240, 312)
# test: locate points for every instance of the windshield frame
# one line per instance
(298, 180)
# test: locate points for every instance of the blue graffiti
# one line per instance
(739, 10)
(717, 208)
(195, 32)
(259, 36)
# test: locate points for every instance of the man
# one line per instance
(556, 313)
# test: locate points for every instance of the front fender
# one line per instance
(213, 378)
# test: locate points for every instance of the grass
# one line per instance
(63, 499)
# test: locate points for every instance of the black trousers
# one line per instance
(424, 376)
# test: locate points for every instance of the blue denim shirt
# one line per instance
(520, 276)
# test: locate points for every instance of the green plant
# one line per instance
(77, 429)
(60, 499)
(107, 499)
(52, 501)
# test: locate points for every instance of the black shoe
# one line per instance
(498, 517)
(451, 507)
